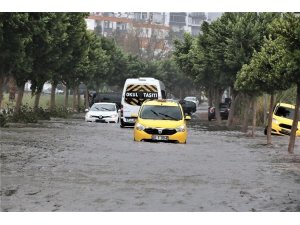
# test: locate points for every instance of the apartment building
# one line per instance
(146, 30)
(155, 30)
(178, 22)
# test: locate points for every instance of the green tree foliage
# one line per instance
(287, 30)
(14, 63)
(97, 66)
(76, 47)
(115, 74)
(264, 72)
(181, 57)
(135, 67)
(48, 36)
(220, 51)
(174, 79)
(14, 38)
(40, 50)
(276, 66)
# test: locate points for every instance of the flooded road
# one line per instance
(71, 165)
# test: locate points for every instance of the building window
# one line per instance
(177, 18)
(144, 15)
(137, 15)
(106, 24)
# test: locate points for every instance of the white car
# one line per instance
(57, 91)
(192, 99)
(103, 112)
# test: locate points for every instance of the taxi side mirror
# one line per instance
(187, 118)
(134, 115)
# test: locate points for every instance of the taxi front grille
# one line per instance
(157, 131)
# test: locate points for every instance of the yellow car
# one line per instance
(161, 120)
(282, 121)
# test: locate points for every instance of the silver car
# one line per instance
(192, 99)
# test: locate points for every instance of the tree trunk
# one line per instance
(37, 100)
(246, 115)
(295, 122)
(37, 97)
(52, 100)
(78, 99)
(270, 117)
(1, 90)
(210, 98)
(12, 86)
(74, 98)
(234, 99)
(218, 94)
(20, 93)
(254, 111)
(86, 98)
(265, 108)
(66, 97)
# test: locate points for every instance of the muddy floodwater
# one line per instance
(71, 165)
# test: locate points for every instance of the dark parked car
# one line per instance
(188, 107)
(224, 111)
(113, 97)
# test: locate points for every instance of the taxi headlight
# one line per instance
(275, 121)
(180, 128)
(139, 126)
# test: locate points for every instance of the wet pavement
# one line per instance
(71, 165)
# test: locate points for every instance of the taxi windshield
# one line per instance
(158, 112)
(287, 113)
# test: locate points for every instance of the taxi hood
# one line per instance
(160, 123)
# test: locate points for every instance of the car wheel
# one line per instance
(122, 123)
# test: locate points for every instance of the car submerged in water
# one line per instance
(103, 112)
(188, 107)
(282, 120)
(192, 99)
(161, 120)
(224, 111)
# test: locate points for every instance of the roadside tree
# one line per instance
(265, 73)
(287, 28)
(14, 64)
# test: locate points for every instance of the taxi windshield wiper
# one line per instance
(168, 116)
(155, 113)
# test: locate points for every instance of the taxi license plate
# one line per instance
(160, 138)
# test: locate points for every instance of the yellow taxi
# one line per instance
(282, 121)
(161, 120)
